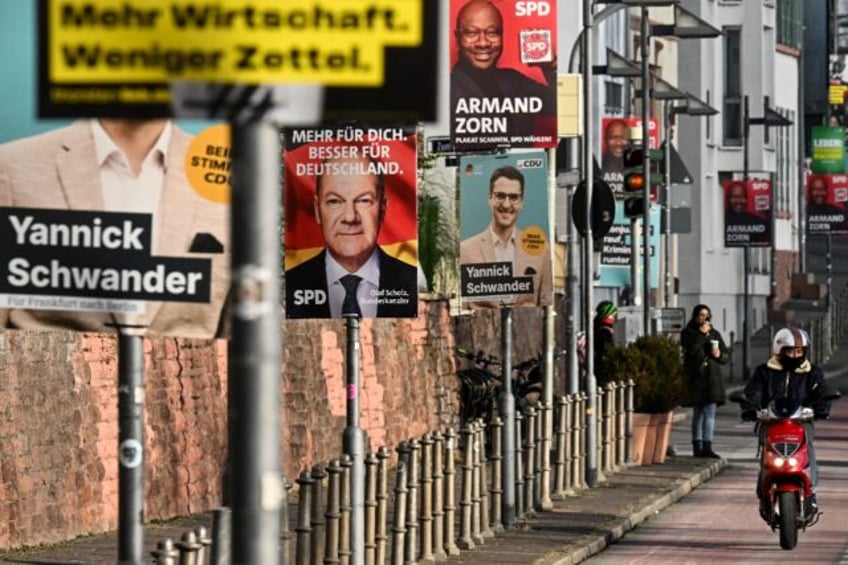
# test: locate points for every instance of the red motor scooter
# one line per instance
(785, 485)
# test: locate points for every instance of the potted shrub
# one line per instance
(655, 366)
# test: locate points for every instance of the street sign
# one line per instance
(441, 145)
(603, 208)
(669, 320)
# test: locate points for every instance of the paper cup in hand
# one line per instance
(714, 343)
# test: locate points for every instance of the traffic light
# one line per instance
(634, 179)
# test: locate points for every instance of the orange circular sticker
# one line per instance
(208, 163)
(533, 240)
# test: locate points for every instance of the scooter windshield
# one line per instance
(785, 407)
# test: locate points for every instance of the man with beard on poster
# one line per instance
(822, 216)
(476, 76)
(741, 226)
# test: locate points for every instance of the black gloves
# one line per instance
(749, 415)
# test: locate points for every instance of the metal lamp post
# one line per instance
(770, 119)
(686, 26)
(693, 106)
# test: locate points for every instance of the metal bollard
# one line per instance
(205, 541)
(609, 428)
(560, 449)
(545, 466)
(426, 485)
(628, 430)
(580, 443)
(304, 521)
(221, 536)
(370, 508)
(530, 462)
(285, 527)
(465, 505)
(485, 499)
(450, 493)
(332, 513)
(188, 547)
(399, 525)
(620, 425)
(382, 537)
(519, 465)
(345, 505)
(412, 525)
(476, 485)
(497, 474)
(165, 553)
(317, 538)
(439, 553)
(598, 411)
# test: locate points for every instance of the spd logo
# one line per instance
(309, 296)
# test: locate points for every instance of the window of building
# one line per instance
(613, 97)
(789, 23)
(732, 107)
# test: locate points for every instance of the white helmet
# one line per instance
(789, 337)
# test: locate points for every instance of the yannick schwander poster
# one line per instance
(107, 223)
(505, 247)
(503, 73)
(747, 213)
(351, 233)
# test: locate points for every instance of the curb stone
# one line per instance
(617, 529)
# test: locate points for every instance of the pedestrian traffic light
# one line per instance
(634, 179)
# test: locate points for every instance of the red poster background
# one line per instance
(303, 234)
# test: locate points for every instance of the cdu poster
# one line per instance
(351, 235)
(107, 223)
(505, 248)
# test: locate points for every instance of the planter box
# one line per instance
(638, 448)
(663, 430)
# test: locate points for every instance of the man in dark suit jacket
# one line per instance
(352, 275)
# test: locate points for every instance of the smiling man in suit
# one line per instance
(137, 168)
(352, 275)
(530, 282)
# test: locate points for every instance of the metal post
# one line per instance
(572, 281)
(546, 437)
(130, 449)
(646, 165)
(353, 443)
(746, 300)
(588, 174)
(508, 416)
(667, 204)
(254, 387)
(802, 200)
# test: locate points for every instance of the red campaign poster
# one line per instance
(503, 73)
(350, 209)
(747, 213)
(826, 198)
(616, 135)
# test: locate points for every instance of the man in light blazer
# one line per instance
(502, 241)
(131, 166)
(350, 206)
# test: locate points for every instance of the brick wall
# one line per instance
(59, 421)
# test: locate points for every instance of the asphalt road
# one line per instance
(720, 523)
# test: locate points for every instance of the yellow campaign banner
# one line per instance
(329, 42)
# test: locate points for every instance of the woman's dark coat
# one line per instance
(703, 371)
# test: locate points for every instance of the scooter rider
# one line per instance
(788, 373)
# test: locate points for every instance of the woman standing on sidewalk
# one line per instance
(704, 352)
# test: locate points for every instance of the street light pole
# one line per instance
(646, 165)
(588, 177)
(746, 258)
